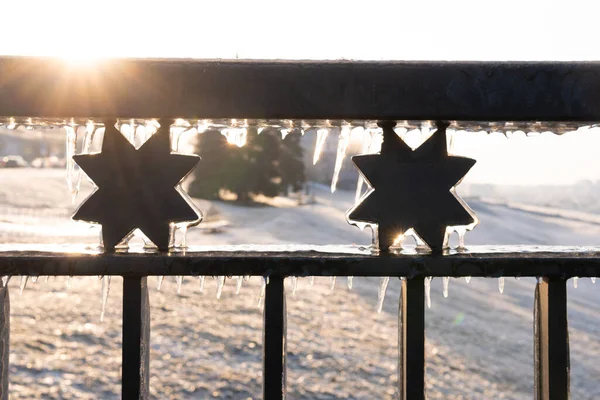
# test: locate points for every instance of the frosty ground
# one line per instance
(479, 342)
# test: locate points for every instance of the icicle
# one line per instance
(381, 294)
(69, 279)
(220, 284)
(23, 283)
(47, 277)
(70, 152)
(451, 134)
(593, 278)
(179, 280)
(201, 280)
(461, 237)
(321, 136)
(575, 279)
(34, 278)
(105, 290)
(183, 229)
(294, 285)
(501, 284)
(341, 155)
(172, 234)
(176, 133)
(350, 279)
(238, 286)
(445, 281)
(5, 280)
(88, 139)
(237, 136)
(263, 290)
(12, 124)
(359, 185)
(467, 279)
(428, 291)
(311, 280)
(368, 146)
(284, 132)
(332, 282)
(160, 280)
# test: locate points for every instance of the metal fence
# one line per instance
(557, 94)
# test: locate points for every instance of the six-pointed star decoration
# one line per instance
(412, 189)
(136, 188)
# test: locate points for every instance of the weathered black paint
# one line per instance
(514, 261)
(485, 91)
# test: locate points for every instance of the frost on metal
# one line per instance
(137, 188)
(413, 189)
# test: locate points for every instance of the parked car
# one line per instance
(13, 162)
(48, 162)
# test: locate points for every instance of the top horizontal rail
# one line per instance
(305, 261)
(151, 88)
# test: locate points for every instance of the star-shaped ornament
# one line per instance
(412, 189)
(136, 188)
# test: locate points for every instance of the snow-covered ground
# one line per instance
(479, 342)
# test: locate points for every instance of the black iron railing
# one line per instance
(561, 95)
(554, 266)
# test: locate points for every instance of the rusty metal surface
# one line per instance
(487, 91)
(301, 261)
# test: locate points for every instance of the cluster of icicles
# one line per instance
(236, 130)
(220, 283)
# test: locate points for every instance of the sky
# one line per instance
(529, 30)
(304, 29)
(545, 159)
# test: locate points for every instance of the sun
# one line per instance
(81, 59)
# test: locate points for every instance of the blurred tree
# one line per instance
(259, 167)
(211, 173)
(291, 163)
(262, 173)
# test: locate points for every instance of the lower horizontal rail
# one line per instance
(297, 261)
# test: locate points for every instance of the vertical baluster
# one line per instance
(411, 339)
(551, 333)
(136, 339)
(274, 340)
(4, 339)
